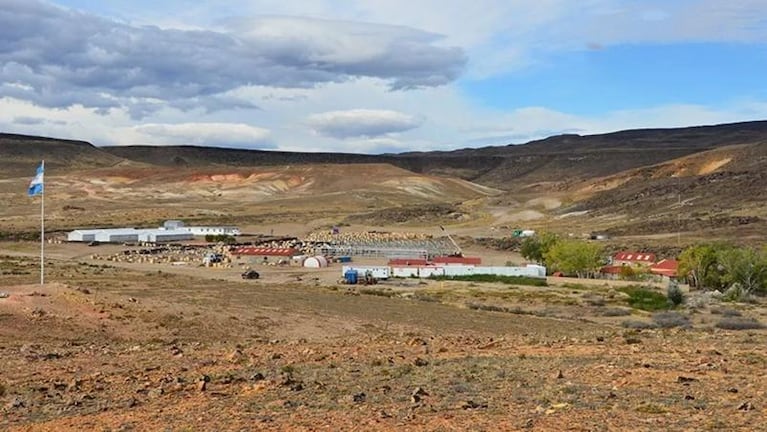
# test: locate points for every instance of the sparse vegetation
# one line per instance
(728, 312)
(220, 238)
(509, 280)
(613, 312)
(647, 299)
(739, 323)
(670, 319)
(636, 324)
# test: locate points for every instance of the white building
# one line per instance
(378, 272)
(417, 271)
(129, 235)
(211, 230)
(164, 235)
(201, 230)
(82, 236)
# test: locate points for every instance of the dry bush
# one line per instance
(635, 324)
(728, 312)
(739, 323)
(670, 320)
(612, 312)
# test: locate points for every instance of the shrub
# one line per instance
(613, 312)
(220, 238)
(674, 293)
(728, 312)
(736, 293)
(645, 298)
(641, 325)
(509, 280)
(425, 297)
(377, 292)
(670, 319)
(739, 323)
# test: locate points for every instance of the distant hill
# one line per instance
(554, 163)
(20, 154)
(551, 163)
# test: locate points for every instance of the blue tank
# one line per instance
(351, 277)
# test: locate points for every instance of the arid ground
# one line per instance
(119, 347)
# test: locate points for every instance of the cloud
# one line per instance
(206, 134)
(362, 123)
(30, 121)
(58, 58)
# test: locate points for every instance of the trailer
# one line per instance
(378, 272)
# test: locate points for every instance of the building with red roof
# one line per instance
(633, 259)
(666, 267)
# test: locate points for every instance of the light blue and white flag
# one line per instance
(36, 185)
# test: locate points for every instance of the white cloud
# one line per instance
(297, 77)
(206, 134)
(362, 123)
(59, 58)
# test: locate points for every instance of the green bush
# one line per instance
(219, 238)
(674, 294)
(646, 299)
(509, 280)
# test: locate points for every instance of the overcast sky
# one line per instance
(375, 76)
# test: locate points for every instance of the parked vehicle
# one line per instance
(251, 274)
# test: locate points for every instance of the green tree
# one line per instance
(699, 264)
(745, 267)
(535, 248)
(575, 257)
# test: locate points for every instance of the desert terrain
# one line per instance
(119, 346)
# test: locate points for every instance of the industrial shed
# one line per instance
(117, 235)
(82, 236)
(164, 235)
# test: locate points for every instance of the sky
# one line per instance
(375, 76)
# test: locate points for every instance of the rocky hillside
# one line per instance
(21, 153)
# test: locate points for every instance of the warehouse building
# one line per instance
(82, 236)
(164, 235)
(129, 235)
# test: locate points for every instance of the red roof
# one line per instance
(265, 251)
(635, 257)
(666, 267)
(407, 262)
(457, 260)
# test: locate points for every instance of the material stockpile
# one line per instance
(177, 255)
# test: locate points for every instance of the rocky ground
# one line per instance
(117, 350)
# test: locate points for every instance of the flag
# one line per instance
(36, 185)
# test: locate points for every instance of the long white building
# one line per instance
(129, 235)
(202, 230)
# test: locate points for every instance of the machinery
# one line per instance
(251, 274)
(352, 277)
(458, 251)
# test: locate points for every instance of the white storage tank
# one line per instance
(316, 262)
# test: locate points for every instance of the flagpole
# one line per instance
(42, 230)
